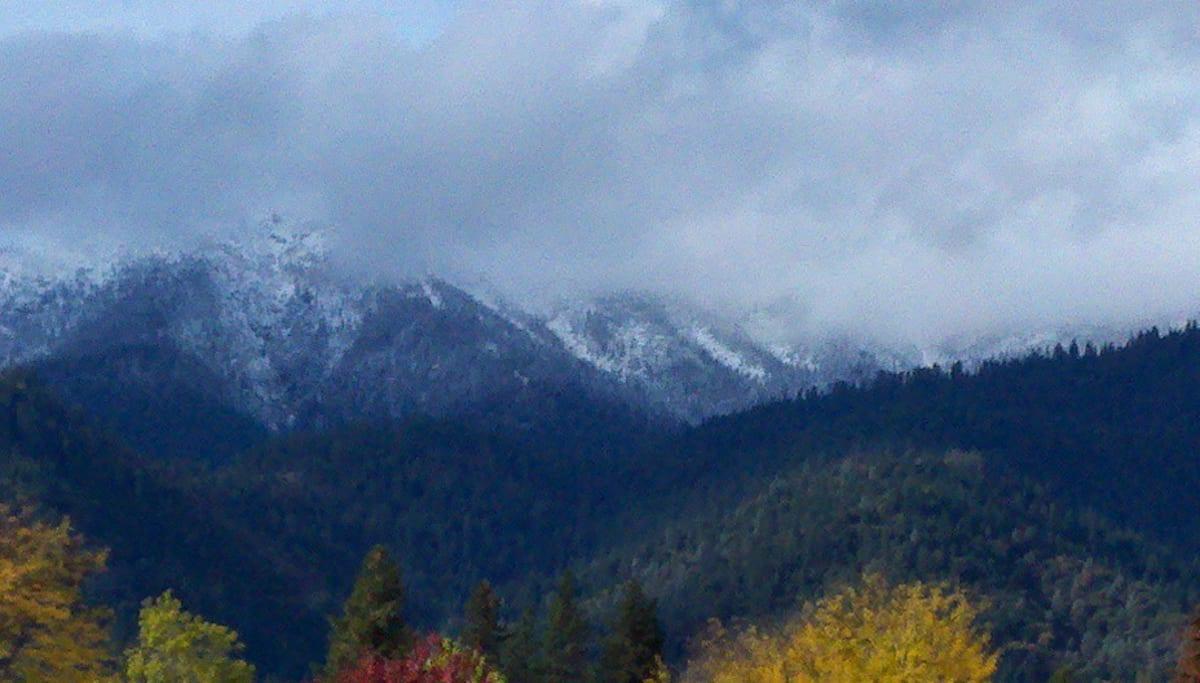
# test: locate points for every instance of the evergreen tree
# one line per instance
(481, 629)
(566, 636)
(372, 621)
(520, 655)
(636, 642)
(659, 673)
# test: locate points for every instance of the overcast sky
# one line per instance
(903, 170)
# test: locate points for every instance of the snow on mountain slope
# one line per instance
(289, 340)
(285, 338)
(689, 362)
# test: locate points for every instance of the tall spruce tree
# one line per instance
(635, 645)
(565, 648)
(372, 621)
(481, 628)
(520, 656)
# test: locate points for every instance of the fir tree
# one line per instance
(566, 636)
(635, 644)
(481, 629)
(520, 655)
(372, 621)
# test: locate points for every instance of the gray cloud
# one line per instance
(904, 173)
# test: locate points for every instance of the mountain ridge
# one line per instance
(291, 341)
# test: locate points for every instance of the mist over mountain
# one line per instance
(599, 341)
(270, 327)
(902, 174)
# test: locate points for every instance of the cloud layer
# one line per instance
(907, 174)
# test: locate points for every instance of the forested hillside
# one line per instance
(1062, 587)
(1058, 490)
(163, 529)
(1114, 428)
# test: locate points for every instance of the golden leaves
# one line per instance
(46, 632)
(870, 632)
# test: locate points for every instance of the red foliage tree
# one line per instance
(434, 660)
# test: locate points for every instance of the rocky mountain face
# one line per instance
(266, 330)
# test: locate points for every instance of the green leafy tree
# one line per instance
(481, 629)
(636, 642)
(520, 655)
(372, 621)
(175, 646)
(566, 636)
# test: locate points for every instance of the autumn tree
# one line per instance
(432, 660)
(565, 642)
(47, 633)
(636, 641)
(372, 621)
(870, 632)
(481, 628)
(1188, 670)
(174, 646)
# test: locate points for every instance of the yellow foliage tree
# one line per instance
(872, 632)
(46, 632)
(175, 646)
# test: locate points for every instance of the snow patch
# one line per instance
(793, 358)
(578, 346)
(432, 295)
(727, 356)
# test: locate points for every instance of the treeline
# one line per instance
(49, 632)
(868, 629)
(1063, 587)
(1075, 520)
(1115, 428)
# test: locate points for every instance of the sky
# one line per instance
(900, 171)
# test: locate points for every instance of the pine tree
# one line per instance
(481, 629)
(520, 655)
(372, 621)
(566, 636)
(636, 642)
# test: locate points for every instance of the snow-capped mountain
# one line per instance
(268, 327)
(693, 362)
(279, 335)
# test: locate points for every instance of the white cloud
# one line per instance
(908, 172)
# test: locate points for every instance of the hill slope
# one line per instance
(1065, 587)
(1117, 429)
(163, 531)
